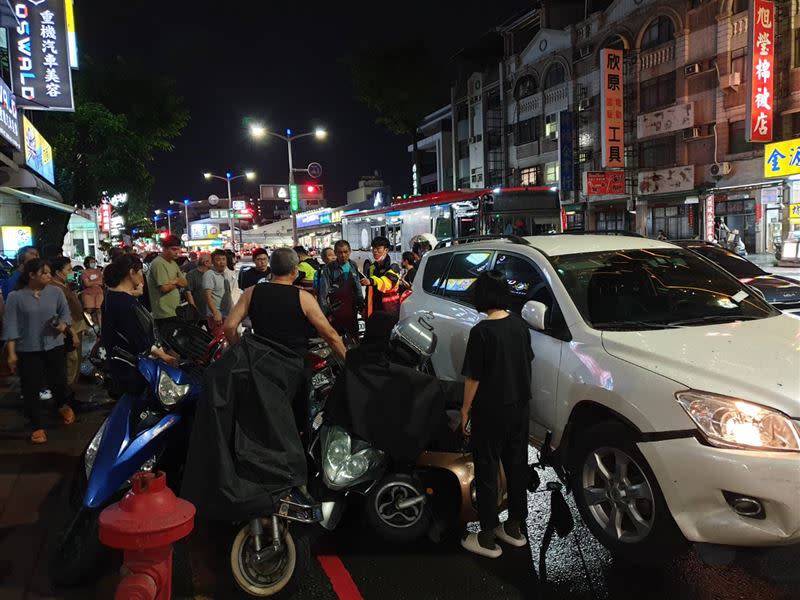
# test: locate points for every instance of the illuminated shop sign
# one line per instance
(762, 72)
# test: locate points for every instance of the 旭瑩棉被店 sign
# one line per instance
(40, 58)
(782, 158)
(612, 114)
(760, 102)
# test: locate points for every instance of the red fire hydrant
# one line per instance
(145, 524)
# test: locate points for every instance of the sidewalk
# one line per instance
(31, 507)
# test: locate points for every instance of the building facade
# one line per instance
(684, 84)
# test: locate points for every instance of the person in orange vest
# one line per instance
(382, 280)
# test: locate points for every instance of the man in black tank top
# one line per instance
(281, 312)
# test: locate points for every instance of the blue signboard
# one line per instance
(566, 153)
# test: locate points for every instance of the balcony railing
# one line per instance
(556, 94)
(657, 56)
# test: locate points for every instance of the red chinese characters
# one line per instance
(762, 75)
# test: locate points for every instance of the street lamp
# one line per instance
(259, 131)
(169, 221)
(249, 175)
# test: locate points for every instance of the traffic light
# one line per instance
(311, 189)
(294, 198)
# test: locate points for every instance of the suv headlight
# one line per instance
(342, 468)
(169, 391)
(91, 451)
(733, 423)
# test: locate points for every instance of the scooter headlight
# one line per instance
(170, 392)
(91, 451)
(340, 466)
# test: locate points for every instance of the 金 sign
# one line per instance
(710, 234)
(794, 213)
(611, 109)
(604, 183)
(782, 158)
(762, 71)
(40, 58)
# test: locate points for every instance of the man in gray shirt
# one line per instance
(217, 292)
(195, 293)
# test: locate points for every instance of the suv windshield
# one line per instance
(651, 289)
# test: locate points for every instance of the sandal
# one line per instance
(39, 437)
(67, 414)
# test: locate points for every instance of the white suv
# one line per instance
(671, 391)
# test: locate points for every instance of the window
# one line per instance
(555, 76)
(736, 140)
(660, 31)
(526, 86)
(657, 92)
(463, 149)
(527, 131)
(657, 153)
(435, 270)
(739, 63)
(796, 42)
(551, 126)
(464, 271)
(551, 172)
(524, 280)
(611, 220)
(531, 176)
(575, 220)
(740, 6)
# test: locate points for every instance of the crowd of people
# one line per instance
(287, 296)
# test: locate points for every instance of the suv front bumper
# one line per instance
(693, 477)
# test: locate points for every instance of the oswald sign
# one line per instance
(9, 117)
(40, 58)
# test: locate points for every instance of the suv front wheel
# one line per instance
(618, 496)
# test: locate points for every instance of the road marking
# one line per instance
(339, 576)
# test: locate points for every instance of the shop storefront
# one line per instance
(319, 229)
(678, 220)
(574, 217)
(739, 214)
(81, 239)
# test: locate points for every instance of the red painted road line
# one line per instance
(339, 576)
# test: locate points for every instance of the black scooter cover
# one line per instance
(245, 450)
(396, 408)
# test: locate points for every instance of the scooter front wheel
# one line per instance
(269, 572)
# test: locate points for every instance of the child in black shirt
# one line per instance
(497, 368)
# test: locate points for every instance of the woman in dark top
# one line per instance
(281, 312)
(126, 324)
(497, 390)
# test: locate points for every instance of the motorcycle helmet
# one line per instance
(423, 243)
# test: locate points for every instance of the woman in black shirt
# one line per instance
(126, 324)
(497, 368)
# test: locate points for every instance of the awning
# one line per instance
(7, 16)
(27, 198)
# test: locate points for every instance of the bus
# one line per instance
(459, 213)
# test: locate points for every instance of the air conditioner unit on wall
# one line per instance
(720, 169)
(730, 81)
(691, 133)
(691, 69)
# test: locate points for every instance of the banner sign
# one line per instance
(15, 237)
(40, 58)
(38, 153)
(760, 86)
(9, 116)
(666, 181)
(104, 217)
(72, 40)
(670, 119)
(710, 233)
(605, 183)
(782, 158)
(611, 108)
(566, 153)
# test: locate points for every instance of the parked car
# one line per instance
(782, 292)
(668, 390)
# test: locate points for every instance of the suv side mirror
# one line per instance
(534, 314)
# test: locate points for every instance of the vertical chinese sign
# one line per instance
(762, 71)
(566, 152)
(611, 110)
(40, 59)
(711, 234)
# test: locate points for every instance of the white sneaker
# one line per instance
(45, 395)
(470, 542)
(500, 533)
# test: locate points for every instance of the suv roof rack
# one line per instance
(621, 232)
(514, 239)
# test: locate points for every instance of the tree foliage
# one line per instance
(124, 116)
(399, 83)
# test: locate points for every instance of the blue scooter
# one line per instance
(145, 431)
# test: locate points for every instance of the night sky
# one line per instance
(279, 62)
